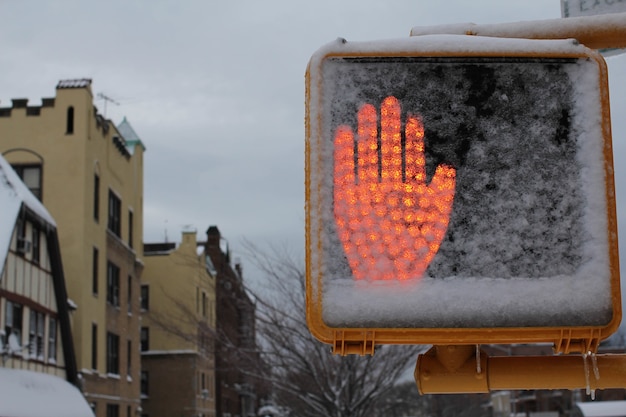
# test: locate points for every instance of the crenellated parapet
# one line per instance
(65, 107)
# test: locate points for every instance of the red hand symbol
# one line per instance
(390, 225)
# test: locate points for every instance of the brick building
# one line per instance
(239, 386)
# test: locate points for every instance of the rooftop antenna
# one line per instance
(107, 99)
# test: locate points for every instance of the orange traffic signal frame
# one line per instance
(362, 339)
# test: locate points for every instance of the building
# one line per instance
(556, 402)
(178, 329)
(36, 349)
(240, 389)
(89, 175)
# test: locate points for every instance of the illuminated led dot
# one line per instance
(394, 250)
(420, 247)
(432, 217)
(423, 202)
(378, 248)
(349, 248)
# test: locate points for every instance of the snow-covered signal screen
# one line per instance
(459, 190)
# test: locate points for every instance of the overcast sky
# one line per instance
(216, 90)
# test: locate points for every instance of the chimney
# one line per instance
(189, 237)
(213, 237)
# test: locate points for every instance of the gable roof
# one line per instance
(13, 195)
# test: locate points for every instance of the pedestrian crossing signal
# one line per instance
(459, 190)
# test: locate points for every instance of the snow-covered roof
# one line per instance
(603, 408)
(14, 193)
(130, 136)
(75, 83)
(269, 410)
(27, 393)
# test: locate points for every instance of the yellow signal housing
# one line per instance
(460, 191)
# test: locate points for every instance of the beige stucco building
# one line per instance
(89, 175)
(178, 329)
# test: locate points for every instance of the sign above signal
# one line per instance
(459, 190)
(573, 8)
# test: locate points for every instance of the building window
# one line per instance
(129, 295)
(36, 244)
(96, 197)
(113, 353)
(144, 383)
(113, 284)
(130, 228)
(145, 339)
(36, 335)
(145, 297)
(52, 340)
(13, 326)
(205, 304)
(70, 121)
(31, 177)
(22, 245)
(129, 352)
(115, 210)
(94, 346)
(95, 264)
(113, 410)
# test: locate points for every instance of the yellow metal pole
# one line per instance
(596, 32)
(480, 373)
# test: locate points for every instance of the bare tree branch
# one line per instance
(307, 377)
